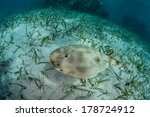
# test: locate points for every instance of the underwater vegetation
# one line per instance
(27, 39)
(4, 64)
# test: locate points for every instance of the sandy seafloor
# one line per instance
(27, 39)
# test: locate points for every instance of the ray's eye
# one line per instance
(66, 55)
(97, 59)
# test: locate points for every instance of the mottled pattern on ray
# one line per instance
(79, 61)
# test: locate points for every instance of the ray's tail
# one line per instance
(112, 61)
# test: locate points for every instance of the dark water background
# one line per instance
(132, 14)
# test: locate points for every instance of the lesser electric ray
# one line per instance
(80, 61)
